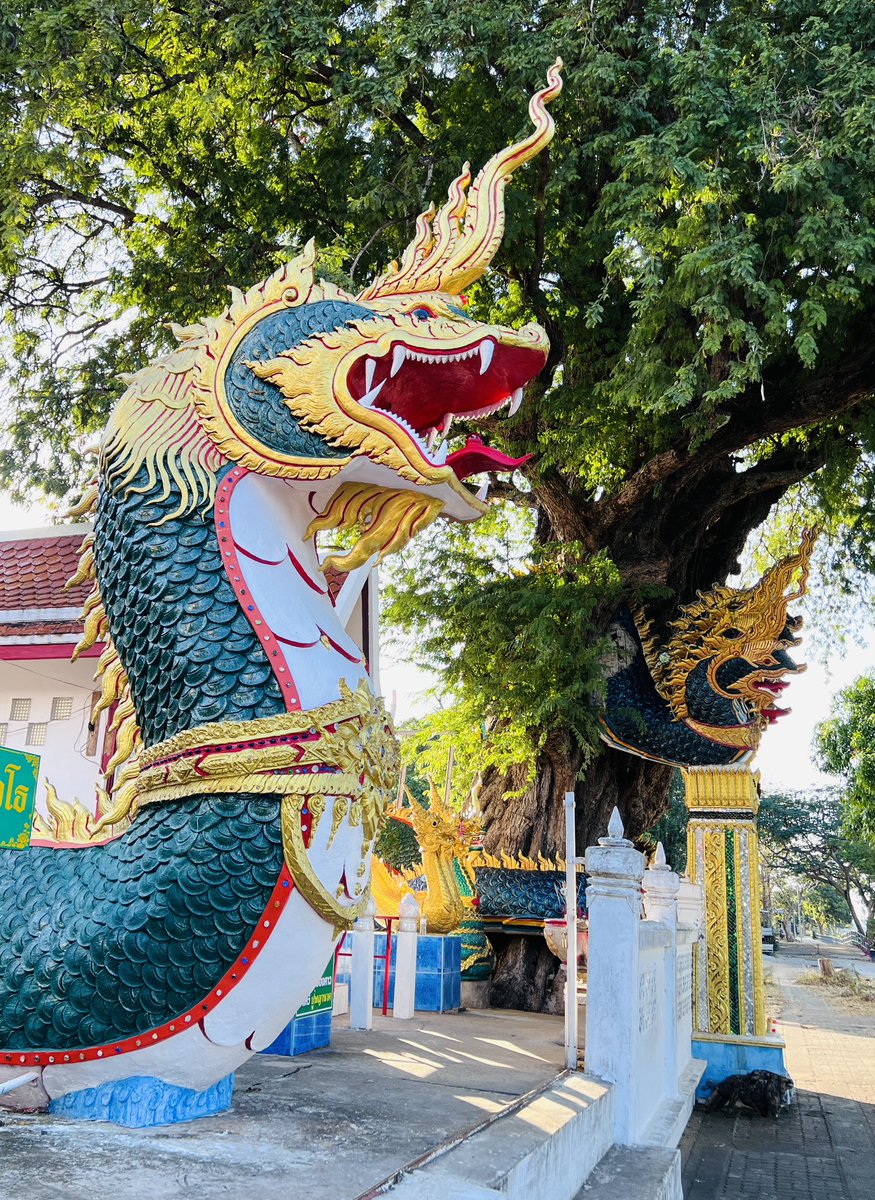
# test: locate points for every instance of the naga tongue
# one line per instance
(475, 457)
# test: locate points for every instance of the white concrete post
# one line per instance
(615, 870)
(361, 980)
(571, 1037)
(661, 885)
(691, 905)
(404, 1004)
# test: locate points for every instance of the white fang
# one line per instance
(369, 397)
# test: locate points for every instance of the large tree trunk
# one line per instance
(525, 971)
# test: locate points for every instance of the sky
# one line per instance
(784, 758)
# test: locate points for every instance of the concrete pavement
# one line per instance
(327, 1125)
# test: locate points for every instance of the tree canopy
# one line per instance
(845, 746)
(699, 244)
(805, 834)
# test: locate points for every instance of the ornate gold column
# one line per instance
(723, 855)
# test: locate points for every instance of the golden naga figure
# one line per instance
(179, 931)
(705, 695)
(444, 839)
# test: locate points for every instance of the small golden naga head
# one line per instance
(705, 695)
(731, 645)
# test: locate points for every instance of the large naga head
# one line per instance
(706, 694)
(357, 394)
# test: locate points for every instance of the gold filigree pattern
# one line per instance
(344, 748)
(717, 932)
(454, 246)
(722, 787)
(386, 521)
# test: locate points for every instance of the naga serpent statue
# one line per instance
(253, 762)
(705, 695)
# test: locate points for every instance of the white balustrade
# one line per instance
(405, 958)
(361, 982)
(639, 988)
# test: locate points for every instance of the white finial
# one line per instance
(616, 832)
(659, 857)
(371, 907)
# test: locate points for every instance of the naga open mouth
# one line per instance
(424, 389)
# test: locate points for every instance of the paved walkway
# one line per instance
(824, 1147)
(328, 1125)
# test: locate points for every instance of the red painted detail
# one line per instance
(47, 650)
(423, 393)
(298, 645)
(194, 1016)
(265, 562)
(306, 578)
(475, 457)
(350, 657)
(231, 562)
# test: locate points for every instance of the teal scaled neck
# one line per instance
(190, 654)
(107, 942)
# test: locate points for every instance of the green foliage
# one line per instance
(532, 649)
(845, 746)
(825, 907)
(699, 243)
(806, 835)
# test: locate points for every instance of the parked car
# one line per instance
(770, 942)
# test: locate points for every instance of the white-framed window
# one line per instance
(4, 730)
(62, 708)
(19, 710)
(36, 733)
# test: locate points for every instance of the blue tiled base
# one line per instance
(142, 1101)
(302, 1034)
(438, 972)
(729, 1055)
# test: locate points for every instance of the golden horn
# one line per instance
(455, 246)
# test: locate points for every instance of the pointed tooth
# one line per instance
(369, 397)
(370, 367)
(440, 455)
(398, 356)
(432, 437)
(483, 490)
(487, 348)
(515, 402)
(447, 424)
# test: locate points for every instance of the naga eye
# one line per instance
(422, 314)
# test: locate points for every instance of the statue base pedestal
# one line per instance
(143, 1101)
(727, 1054)
(438, 972)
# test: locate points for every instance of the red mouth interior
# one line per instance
(426, 390)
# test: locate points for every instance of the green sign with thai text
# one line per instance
(322, 995)
(18, 776)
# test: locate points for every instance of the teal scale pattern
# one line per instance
(108, 942)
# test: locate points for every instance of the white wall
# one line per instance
(63, 759)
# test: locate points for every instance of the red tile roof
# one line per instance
(33, 572)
